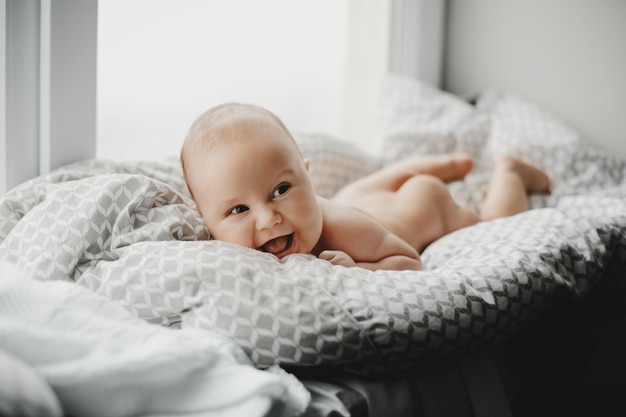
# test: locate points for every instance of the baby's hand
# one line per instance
(337, 257)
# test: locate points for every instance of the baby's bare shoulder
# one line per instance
(343, 222)
(337, 214)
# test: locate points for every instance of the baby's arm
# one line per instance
(395, 262)
(353, 238)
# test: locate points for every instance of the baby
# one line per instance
(251, 185)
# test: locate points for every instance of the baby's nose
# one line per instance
(267, 218)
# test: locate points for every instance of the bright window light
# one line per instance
(163, 62)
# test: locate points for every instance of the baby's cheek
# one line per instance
(220, 231)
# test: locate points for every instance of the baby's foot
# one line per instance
(451, 167)
(463, 164)
(535, 180)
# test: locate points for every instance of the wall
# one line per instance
(568, 56)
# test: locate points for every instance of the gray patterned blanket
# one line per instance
(127, 231)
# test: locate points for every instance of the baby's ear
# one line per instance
(307, 163)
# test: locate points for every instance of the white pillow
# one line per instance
(417, 119)
(334, 163)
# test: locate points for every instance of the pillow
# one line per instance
(334, 163)
(522, 128)
(417, 119)
(517, 122)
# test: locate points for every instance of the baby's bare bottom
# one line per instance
(420, 211)
(412, 200)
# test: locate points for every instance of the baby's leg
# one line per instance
(447, 168)
(510, 185)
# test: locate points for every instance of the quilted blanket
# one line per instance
(128, 231)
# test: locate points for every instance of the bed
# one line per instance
(502, 309)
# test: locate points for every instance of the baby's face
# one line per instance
(255, 191)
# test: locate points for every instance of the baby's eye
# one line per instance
(238, 209)
(280, 190)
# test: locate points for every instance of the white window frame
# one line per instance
(3, 94)
(68, 71)
(19, 73)
(416, 39)
(48, 109)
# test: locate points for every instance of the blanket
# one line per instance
(67, 351)
(127, 231)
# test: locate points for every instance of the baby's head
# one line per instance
(250, 181)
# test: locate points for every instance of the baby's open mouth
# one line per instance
(278, 245)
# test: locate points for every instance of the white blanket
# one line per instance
(64, 349)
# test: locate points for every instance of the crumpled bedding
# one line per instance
(127, 231)
(67, 351)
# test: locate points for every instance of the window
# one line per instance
(163, 62)
(148, 68)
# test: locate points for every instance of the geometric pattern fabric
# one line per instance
(128, 231)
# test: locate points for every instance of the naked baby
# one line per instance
(251, 185)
